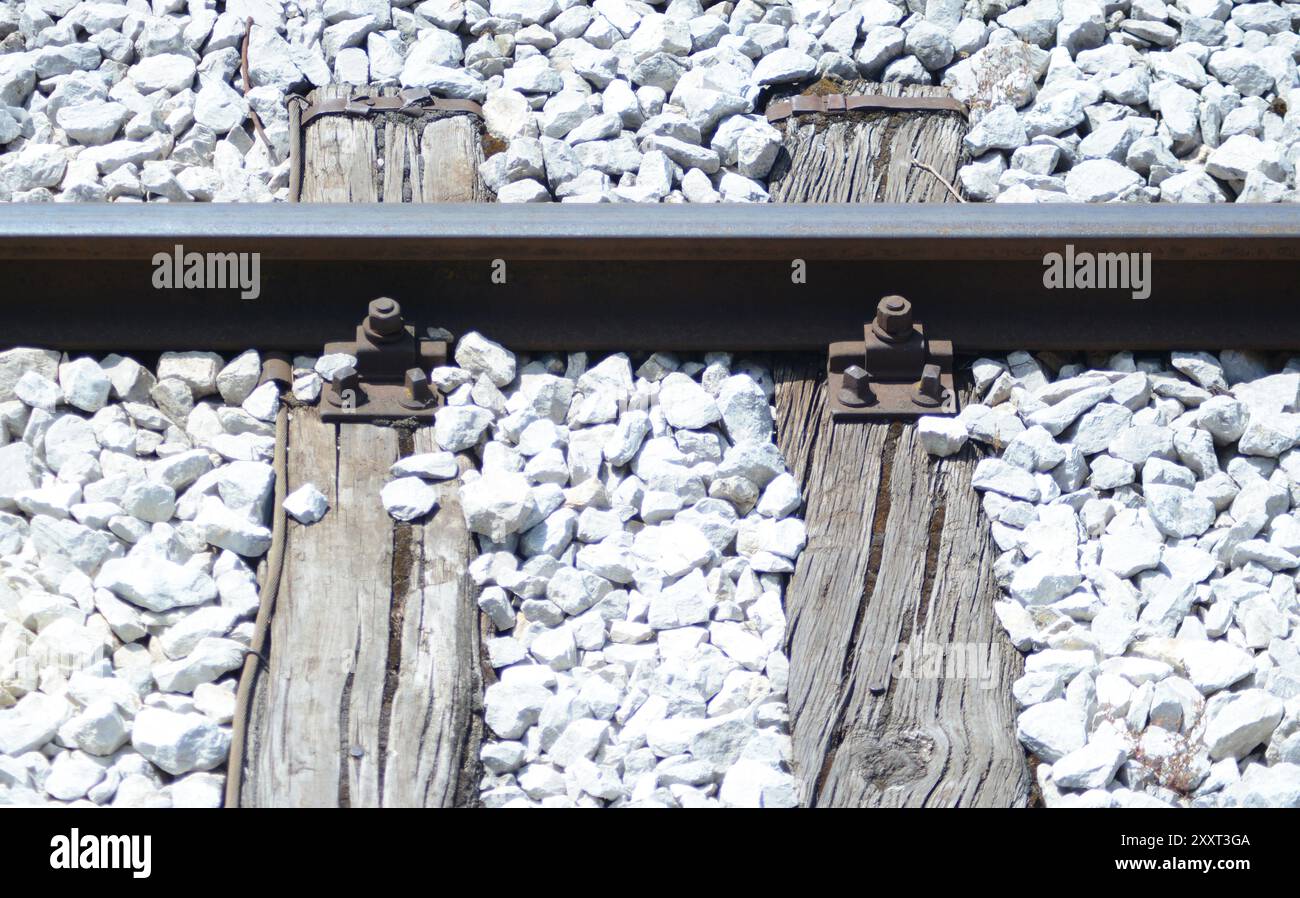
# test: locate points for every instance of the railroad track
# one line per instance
(898, 553)
(689, 278)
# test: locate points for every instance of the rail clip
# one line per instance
(895, 371)
(391, 378)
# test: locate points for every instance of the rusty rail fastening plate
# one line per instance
(409, 101)
(895, 371)
(390, 380)
(825, 104)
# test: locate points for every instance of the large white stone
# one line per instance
(941, 436)
(14, 363)
(72, 775)
(1242, 154)
(575, 591)
(1241, 721)
(237, 379)
(306, 504)
(1090, 767)
(995, 475)
(182, 637)
(1100, 180)
(85, 385)
(225, 528)
(198, 371)
(158, 584)
(428, 465)
(510, 708)
(479, 355)
(31, 722)
(1277, 786)
(460, 427)
(180, 470)
(685, 403)
(209, 659)
(783, 66)
(498, 504)
(18, 473)
(408, 498)
(69, 436)
(219, 106)
(171, 72)
(179, 742)
(1052, 729)
(150, 501)
(745, 411)
(1214, 664)
(1177, 511)
(755, 784)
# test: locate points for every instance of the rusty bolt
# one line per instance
(346, 387)
(385, 317)
(855, 387)
(347, 378)
(893, 318)
(418, 393)
(929, 391)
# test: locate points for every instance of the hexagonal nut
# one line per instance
(894, 316)
(384, 316)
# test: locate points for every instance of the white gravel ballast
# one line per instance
(625, 101)
(132, 504)
(635, 525)
(1145, 512)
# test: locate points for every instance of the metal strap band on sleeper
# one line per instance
(842, 103)
(411, 101)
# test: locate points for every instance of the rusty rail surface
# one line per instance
(650, 277)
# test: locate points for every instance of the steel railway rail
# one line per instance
(636, 277)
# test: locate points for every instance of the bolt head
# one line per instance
(345, 387)
(347, 378)
(855, 387)
(929, 390)
(384, 316)
(418, 392)
(894, 316)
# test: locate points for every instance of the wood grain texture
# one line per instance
(391, 157)
(436, 723)
(450, 154)
(370, 698)
(897, 560)
(339, 155)
(866, 157)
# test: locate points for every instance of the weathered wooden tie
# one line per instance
(896, 574)
(372, 694)
(372, 697)
(390, 157)
(872, 156)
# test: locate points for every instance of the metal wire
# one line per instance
(266, 604)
